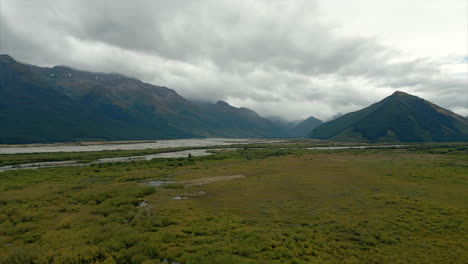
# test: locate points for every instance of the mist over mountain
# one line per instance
(63, 104)
(285, 125)
(296, 128)
(400, 117)
(335, 116)
(303, 128)
(39, 104)
(282, 122)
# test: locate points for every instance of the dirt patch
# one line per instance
(208, 180)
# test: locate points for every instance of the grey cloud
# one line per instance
(278, 57)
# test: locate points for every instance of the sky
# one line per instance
(288, 58)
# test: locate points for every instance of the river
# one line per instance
(66, 163)
(175, 143)
(135, 146)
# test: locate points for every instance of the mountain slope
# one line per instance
(63, 104)
(37, 108)
(283, 123)
(400, 117)
(222, 118)
(303, 128)
(296, 128)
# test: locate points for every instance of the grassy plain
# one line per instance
(292, 206)
(7, 159)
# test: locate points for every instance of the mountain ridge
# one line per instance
(400, 117)
(303, 128)
(41, 104)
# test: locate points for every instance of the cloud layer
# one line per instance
(278, 57)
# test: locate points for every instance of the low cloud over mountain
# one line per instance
(286, 58)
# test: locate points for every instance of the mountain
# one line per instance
(303, 128)
(335, 116)
(400, 117)
(283, 123)
(286, 126)
(228, 121)
(63, 104)
(296, 128)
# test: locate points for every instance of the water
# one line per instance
(175, 154)
(202, 142)
(156, 183)
(37, 165)
(49, 164)
(180, 198)
(143, 204)
(356, 147)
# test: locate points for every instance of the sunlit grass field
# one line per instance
(292, 206)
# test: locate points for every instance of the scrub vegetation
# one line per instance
(292, 205)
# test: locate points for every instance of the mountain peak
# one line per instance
(222, 103)
(307, 125)
(402, 97)
(400, 93)
(400, 117)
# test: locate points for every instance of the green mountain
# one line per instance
(400, 117)
(303, 128)
(63, 104)
(224, 119)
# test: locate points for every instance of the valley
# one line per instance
(233, 132)
(278, 203)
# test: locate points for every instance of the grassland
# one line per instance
(290, 206)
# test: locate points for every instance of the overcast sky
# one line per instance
(289, 58)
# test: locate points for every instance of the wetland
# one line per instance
(276, 203)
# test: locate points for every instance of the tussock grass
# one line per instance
(293, 206)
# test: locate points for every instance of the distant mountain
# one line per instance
(286, 126)
(225, 120)
(303, 128)
(296, 128)
(283, 123)
(63, 104)
(400, 117)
